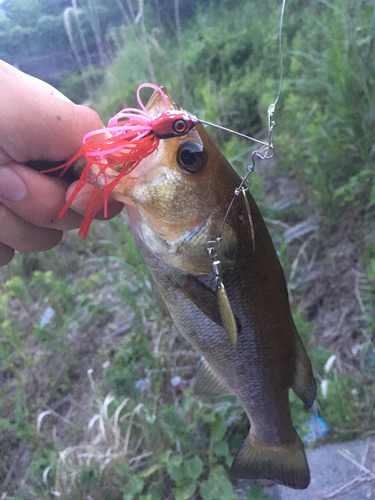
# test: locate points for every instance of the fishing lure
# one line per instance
(135, 134)
(265, 153)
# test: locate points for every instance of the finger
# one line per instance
(35, 197)
(29, 81)
(6, 254)
(51, 128)
(39, 199)
(80, 202)
(23, 236)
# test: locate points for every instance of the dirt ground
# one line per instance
(327, 277)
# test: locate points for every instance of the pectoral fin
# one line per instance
(215, 306)
(203, 297)
(207, 383)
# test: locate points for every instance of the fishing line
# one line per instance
(268, 146)
(234, 132)
(262, 154)
(272, 106)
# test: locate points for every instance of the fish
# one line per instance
(237, 318)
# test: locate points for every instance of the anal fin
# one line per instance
(207, 383)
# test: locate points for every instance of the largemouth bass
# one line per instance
(177, 199)
(214, 262)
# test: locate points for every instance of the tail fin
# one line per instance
(286, 465)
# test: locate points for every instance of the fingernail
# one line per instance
(12, 186)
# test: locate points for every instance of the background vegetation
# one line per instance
(94, 380)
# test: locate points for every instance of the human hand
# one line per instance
(38, 123)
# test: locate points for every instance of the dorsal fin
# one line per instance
(156, 104)
(207, 383)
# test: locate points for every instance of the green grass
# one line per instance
(135, 436)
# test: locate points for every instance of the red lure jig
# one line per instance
(135, 135)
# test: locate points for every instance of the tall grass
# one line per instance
(229, 55)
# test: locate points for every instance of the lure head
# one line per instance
(177, 197)
(173, 123)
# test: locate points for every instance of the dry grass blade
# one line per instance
(301, 251)
(45, 474)
(364, 469)
(40, 419)
(346, 487)
(360, 279)
(366, 476)
(104, 445)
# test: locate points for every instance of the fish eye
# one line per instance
(179, 126)
(191, 157)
